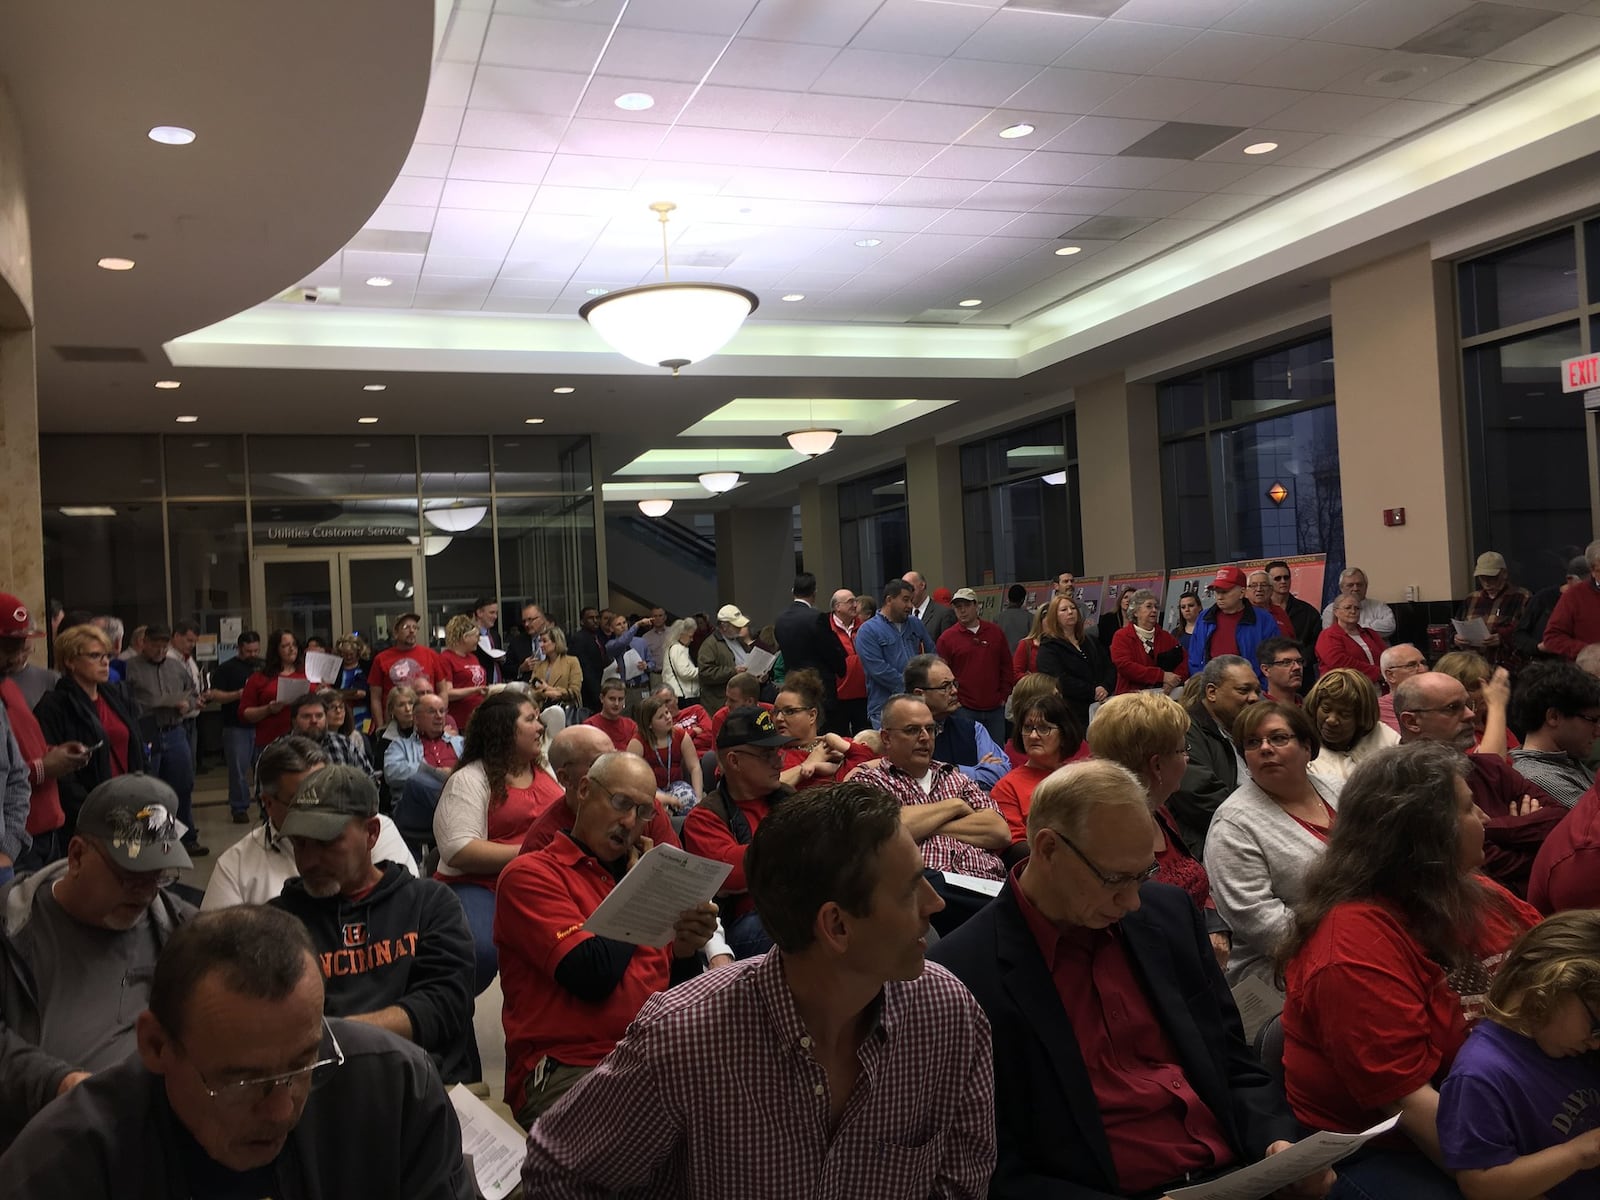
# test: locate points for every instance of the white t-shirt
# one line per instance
(254, 869)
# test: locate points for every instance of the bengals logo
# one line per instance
(355, 934)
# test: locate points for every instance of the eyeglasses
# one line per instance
(130, 880)
(917, 731)
(96, 656)
(794, 710)
(1044, 730)
(1455, 708)
(1112, 883)
(1276, 740)
(1280, 578)
(1593, 721)
(1288, 662)
(242, 1095)
(1396, 668)
(622, 805)
(947, 687)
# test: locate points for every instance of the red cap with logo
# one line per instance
(1227, 578)
(14, 619)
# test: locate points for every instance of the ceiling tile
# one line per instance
(461, 268)
(516, 90)
(1402, 117)
(497, 197)
(453, 285)
(782, 66)
(732, 147)
(691, 16)
(432, 162)
(811, 152)
(1154, 204)
(685, 179)
(463, 39)
(1154, 99)
(933, 193)
(397, 295)
(414, 190)
(1285, 18)
(1385, 24)
(646, 54)
(1126, 46)
(822, 22)
(546, 45)
(439, 126)
(1334, 150)
(1071, 90)
(915, 122)
(585, 170)
(973, 162)
(497, 130)
(1288, 140)
(900, 219)
(498, 166)
(450, 84)
(1203, 177)
(1243, 104)
(875, 73)
(1100, 135)
(920, 28)
(1171, 230)
(980, 221)
(531, 289)
(1045, 126)
(1059, 169)
(586, 135)
(1311, 66)
(599, 102)
(1328, 112)
(775, 183)
(1220, 57)
(975, 81)
(1550, 45)
(1396, 74)
(1019, 197)
(1475, 82)
(594, 12)
(1221, 207)
(585, 202)
(840, 116)
(890, 157)
(1083, 201)
(1019, 36)
(1130, 172)
(737, 108)
(402, 218)
(1199, 14)
(507, 305)
(1270, 181)
(363, 263)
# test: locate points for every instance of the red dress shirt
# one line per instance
(438, 752)
(981, 661)
(852, 685)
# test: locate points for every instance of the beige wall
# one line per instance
(1400, 435)
(933, 508)
(819, 534)
(1119, 477)
(21, 534)
(755, 561)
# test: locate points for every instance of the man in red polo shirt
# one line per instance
(610, 720)
(979, 655)
(569, 995)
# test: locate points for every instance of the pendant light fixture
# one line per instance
(655, 508)
(669, 324)
(812, 441)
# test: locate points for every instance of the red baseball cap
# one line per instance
(14, 619)
(1227, 577)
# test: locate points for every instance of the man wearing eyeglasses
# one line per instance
(570, 995)
(241, 1088)
(1397, 664)
(1283, 662)
(1120, 1065)
(961, 740)
(81, 940)
(1304, 618)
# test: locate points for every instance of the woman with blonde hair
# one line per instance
(95, 720)
(1343, 707)
(1079, 662)
(1489, 693)
(558, 677)
(463, 684)
(679, 672)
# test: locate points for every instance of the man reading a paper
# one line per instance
(569, 994)
(1120, 1065)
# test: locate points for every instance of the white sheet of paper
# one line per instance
(493, 651)
(323, 668)
(1258, 1002)
(1305, 1157)
(988, 887)
(632, 664)
(229, 630)
(758, 662)
(1473, 632)
(292, 689)
(497, 1147)
(644, 906)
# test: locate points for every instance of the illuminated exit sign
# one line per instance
(1580, 374)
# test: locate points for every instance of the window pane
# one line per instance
(82, 469)
(547, 556)
(210, 569)
(1187, 500)
(356, 465)
(454, 466)
(528, 463)
(330, 523)
(1591, 243)
(1285, 376)
(1181, 404)
(873, 493)
(108, 564)
(1536, 279)
(211, 465)
(1300, 453)
(1030, 451)
(458, 555)
(1019, 531)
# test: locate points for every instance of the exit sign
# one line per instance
(1580, 374)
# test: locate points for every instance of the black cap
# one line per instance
(750, 726)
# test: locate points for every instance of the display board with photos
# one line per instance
(1305, 572)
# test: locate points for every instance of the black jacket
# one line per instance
(490, 663)
(1077, 674)
(807, 643)
(590, 651)
(66, 714)
(406, 943)
(381, 1126)
(936, 618)
(1052, 1142)
(1306, 621)
(1208, 780)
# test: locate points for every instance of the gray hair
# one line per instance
(289, 755)
(1386, 659)
(1211, 675)
(680, 627)
(1591, 553)
(110, 626)
(1352, 572)
(899, 698)
(1140, 597)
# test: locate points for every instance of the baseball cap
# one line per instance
(328, 800)
(750, 726)
(14, 619)
(135, 816)
(1227, 577)
(964, 594)
(417, 617)
(731, 614)
(1489, 563)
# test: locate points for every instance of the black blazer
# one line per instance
(806, 642)
(66, 714)
(489, 662)
(1052, 1142)
(936, 619)
(1078, 674)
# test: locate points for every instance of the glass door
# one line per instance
(329, 593)
(378, 585)
(300, 594)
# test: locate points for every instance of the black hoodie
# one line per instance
(404, 943)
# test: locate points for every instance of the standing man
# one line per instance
(185, 635)
(1303, 618)
(655, 643)
(980, 655)
(1283, 662)
(877, 1066)
(404, 662)
(1231, 626)
(1575, 622)
(1500, 605)
(166, 694)
(238, 739)
(806, 641)
(1014, 620)
(523, 651)
(935, 617)
(487, 613)
(588, 646)
(1258, 588)
(722, 656)
(1375, 614)
(851, 698)
(886, 643)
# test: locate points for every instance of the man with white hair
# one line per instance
(1575, 623)
(1375, 614)
(1397, 663)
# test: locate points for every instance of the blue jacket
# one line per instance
(884, 649)
(403, 755)
(1255, 626)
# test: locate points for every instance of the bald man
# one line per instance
(935, 616)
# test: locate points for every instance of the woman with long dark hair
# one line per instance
(259, 704)
(1388, 963)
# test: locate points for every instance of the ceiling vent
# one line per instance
(1068, 8)
(1110, 229)
(1181, 139)
(100, 354)
(1479, 30)
(390, 241)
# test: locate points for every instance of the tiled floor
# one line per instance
(218, 832)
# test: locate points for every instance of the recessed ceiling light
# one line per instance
(531, 421)
(1261, 148)
(187, 420)
(379, 281)
(635, 101)
(1064, 250)
(115, 264)
(598, 292)
(171, 135)
(1020, 129)
(793, 296)
(970, 303)
(167, 385)
(366, 420)
(868, 243)
(564, 391)
(373, 387)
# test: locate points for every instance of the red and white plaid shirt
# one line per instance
(715, 1092)
(941, 852)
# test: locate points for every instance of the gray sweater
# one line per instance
(1557, 772)
(1257, 856)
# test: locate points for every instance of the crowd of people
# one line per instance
(992, 890)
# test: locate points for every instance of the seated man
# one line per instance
(308, 717)
(960, 741)
(254, 869)
(690, 718)
(415, 765)
(861, 1071)
(1397, 664)
(1283, 662)
(394, 950)
(610, 720)
(241, 1088)
(722, 824)
(960, 829)
(1227, 684)
(81, 940)
(569, 995)
(1120, 1065)
(1558, 705)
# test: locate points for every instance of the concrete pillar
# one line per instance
(1400, 426)
(1119, 477)
(21, 530)
(819, 534)
(933, 511)
(755, 561)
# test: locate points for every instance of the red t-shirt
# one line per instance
(1014, 792)
(1371, 1018)
(543, 900)
(694, 720)
(1226, 639)
(855, 756)
(118, 735)
(621, 731)
(708, 835)
(394, 667)
(44, 805)
(667, 761)
(463, 671)
(558, 819)
(722, 715)
(1157, 1127)
(262, 689)
(509, 822)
